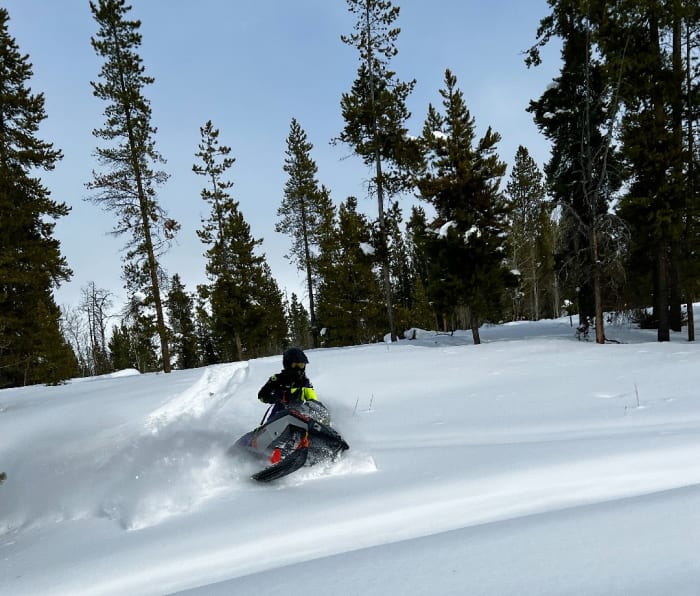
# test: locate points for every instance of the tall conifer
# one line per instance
(304, 211)
(181, 317)
(128, 186)
(375, 115)
(462, 182)
(32, 349)
(530, 239)
(245, 304)
(299, 323)
(349, 304)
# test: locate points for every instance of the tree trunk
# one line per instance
(597, 293)
(535, 287)
(691, 177)
(145, 221)
(675, 298)
(675, 317)
(160, 320)
(663, 244)
(661, 296)
(384, 252)
(691, 317)
(474, 321)
(153, 274)
(239, 347)
(309, 277)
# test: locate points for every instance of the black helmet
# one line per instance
(294, 356)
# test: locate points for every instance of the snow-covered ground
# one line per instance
(532, 464)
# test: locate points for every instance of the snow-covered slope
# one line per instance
(531, 464)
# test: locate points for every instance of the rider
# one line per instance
(291, 385)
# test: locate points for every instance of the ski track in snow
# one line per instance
(178, 461)
(202, 400)
(165, 465)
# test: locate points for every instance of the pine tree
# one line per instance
(349, 297)
(181, 317)
(119, 346)
(660, 203)
(32, 349)
(530, 237)
(375, 117)
(631, 57)
(299, 323)
(204, 331)
(421, 313)
(128, 187)
(579, 113)
(691, 235)
(466, 253)
(131, 343)
(140, 322)
(245, 304)
(401, 272)
(268, 333)
(417, 243)
(303, 212)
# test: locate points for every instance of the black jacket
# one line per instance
(284, 388)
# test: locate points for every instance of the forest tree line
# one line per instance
(609, 224)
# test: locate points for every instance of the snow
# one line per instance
(473, 231)
(445, 228)
(367, 248)
(530, 464)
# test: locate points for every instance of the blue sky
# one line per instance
(250, 67)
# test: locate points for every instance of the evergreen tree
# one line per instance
(60, 362)
(181, 317)
(531, 236)
(204, 331)
(129, 154)
(628, 57)
(235, 269)
(659, 204)
(32, 349)
(268, 334)
(303, 211)
(691, 235)
(120, 348)
(131, 344)
(375, 117)
(417, 243)
(349, 297)
(245, 304)
(216, 161)
(422, 314)
(299, 324)
(401, 272)
(466, 253)
(579, 113)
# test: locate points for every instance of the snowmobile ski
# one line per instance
(294, 460)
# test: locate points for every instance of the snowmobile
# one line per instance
(300, 435)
